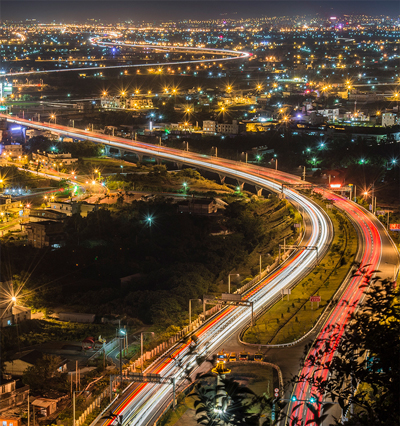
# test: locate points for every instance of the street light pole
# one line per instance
(190, 309)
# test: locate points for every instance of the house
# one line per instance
(198, 206)
(11, 395)
(209, 126)
(13, 150)
(9, 421)
(54, 160)
(45, 406)
(10, 312)
(40, 215)
(25, 359)
(46, 233)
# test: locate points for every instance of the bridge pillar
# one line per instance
(259, 190)
(158, 160)
(240, 184)
(222, 178)
(140, 157)
(121, 152)
(178, 165)
(107, 150)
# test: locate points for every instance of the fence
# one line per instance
(95, 404)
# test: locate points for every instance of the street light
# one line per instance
(229, 281)
(121, 336)
(190, 309)
(141, 345)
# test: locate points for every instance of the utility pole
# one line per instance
(304, 173)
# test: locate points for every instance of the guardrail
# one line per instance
(110, 346)
(320, 319)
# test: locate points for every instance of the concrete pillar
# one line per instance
(259, 190)
(240, 184)
(158, 161)
(140, 157)
(222, 178)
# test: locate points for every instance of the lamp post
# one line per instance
(141, 346)
(229, 281)
(121, 335)
(190, 309)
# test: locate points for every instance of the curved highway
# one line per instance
(142, 401)
(377, 252)
(232, 55)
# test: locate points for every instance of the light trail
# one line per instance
(141, 401)
(335, 325)
(98, 41)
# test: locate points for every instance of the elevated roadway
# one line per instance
(141, 404)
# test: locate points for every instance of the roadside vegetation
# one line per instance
(174, 258)
(258, 378)
(288, 320)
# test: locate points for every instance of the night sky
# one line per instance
(119, 11)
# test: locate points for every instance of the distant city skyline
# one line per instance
(119, 11)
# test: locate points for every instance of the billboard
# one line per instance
(395, 227)
(315, 299)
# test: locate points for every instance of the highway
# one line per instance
(377, 250)
(228, 55)
(141, 404)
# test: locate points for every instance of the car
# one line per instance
(258, 357)
(222, 356)
(243, 356)
(232, 357)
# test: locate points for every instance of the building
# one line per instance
(7, 203)
(331, 114)
(10, 421)
(11, 395)
(14, 150)
(67, 209)
(49, 160)
(47, 233)
(45, 406)
(139, 103)
(85, 208)
(39, 215)
(209, 126)
(25, 359)
(198, 206)
(388, 119)
(228, 129)
(13, 314)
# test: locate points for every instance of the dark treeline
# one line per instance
(172, 260)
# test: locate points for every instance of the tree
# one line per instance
(364, 374)
(44, 374)
(226, 403)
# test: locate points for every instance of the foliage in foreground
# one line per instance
(364, 374)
